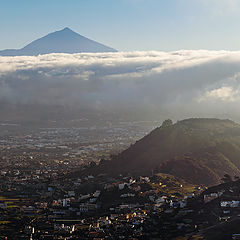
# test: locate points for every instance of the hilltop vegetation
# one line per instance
(199, 151)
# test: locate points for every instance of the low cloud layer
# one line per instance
(175, 84)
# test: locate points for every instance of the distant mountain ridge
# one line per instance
(63, 41)
(200, 151)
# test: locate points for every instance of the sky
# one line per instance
(126, 25)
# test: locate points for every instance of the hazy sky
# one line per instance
(126, 24)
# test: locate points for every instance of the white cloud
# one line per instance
(221, 94)
(145, 60)
(175, 82)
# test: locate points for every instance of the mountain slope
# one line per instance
(63, 41)
(198, 150)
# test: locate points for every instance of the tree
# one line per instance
(167, 123)
(226, 178)
(236, 177)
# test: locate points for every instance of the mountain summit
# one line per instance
(63, 41)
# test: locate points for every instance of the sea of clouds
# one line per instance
(182, 83)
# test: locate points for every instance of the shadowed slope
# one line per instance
(198, 150)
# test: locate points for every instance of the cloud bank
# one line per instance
(175, 84)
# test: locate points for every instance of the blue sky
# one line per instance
(126, 24)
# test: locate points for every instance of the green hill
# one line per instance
(199, 150)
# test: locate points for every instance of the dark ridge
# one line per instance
(197, 150)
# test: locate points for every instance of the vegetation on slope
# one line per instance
(199, 150)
